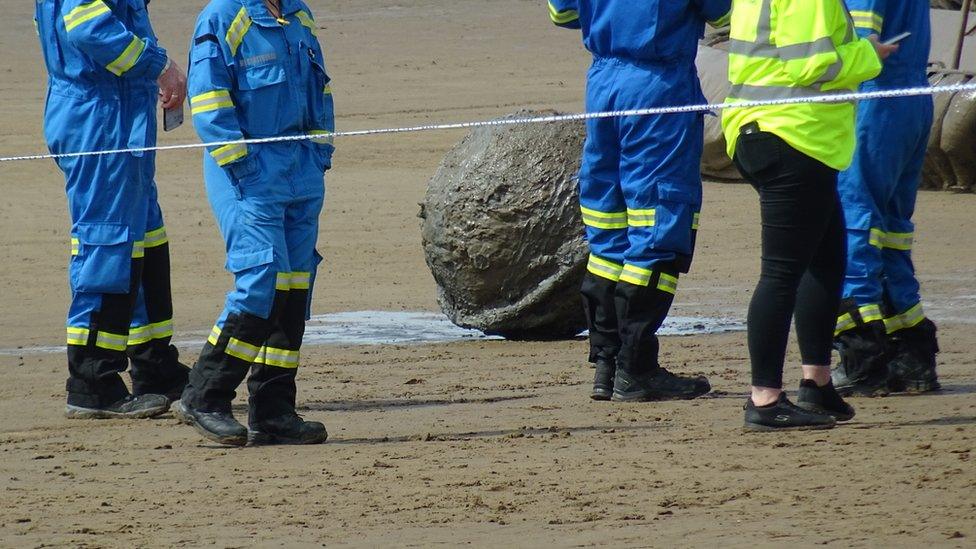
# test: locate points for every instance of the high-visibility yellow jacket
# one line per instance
(794, 49)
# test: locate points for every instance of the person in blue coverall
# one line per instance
(106, 73)
(257, 70)
(640, 182)
(885, 341)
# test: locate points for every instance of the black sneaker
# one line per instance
(220, 427)
(286, 429)
(603, 380)
(783, 415)
(130, 407)
(823, 400)
(657, 384)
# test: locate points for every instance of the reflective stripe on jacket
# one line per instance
(793, 49)
(253, 76)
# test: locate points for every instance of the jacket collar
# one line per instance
(259, 13)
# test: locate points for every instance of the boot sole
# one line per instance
(760, 428)
(225, 440)
(265, 439)
(617, 397)
(854, 391)
(601, 394)
(920, 387)
(821, 410)
(78, 412)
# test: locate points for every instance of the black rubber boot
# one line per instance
(286, 429)
(156, 369)
(601, 319)
(823, 400)
(603, 379)
(220, 427)
(912, 368)
(129, 407)
(657, 384)
(862, 370)
(783, 415)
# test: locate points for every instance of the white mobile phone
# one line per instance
(895, 39)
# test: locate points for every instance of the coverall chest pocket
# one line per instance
(263, 93)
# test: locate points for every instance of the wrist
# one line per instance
(166, 66)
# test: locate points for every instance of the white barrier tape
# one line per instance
(829, 98)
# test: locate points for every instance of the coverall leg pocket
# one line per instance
(674, 219)
(254, 281)
(101, 259)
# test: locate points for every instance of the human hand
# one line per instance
(883, 50)
(172, 86)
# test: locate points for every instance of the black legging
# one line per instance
(803, 254)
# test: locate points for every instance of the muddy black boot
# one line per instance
(129, 407)
(657, 384)
(220, 427)
(913, 367)
(286, 429)
(601, 319)
(862, 370)
(603, 380)
(156, 369)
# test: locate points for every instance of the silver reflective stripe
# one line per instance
(832, 72)
(785, 53)
(766, 93)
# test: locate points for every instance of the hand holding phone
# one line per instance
(895, 39)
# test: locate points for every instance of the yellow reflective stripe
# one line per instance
(694, 221)
(306, 20)
(283, 282)
(876, 238)
(898, 241)
(907, 319)
(667, 283)
(210, 101)
(636, 275)
(604, 220)
(229, 153)
(325, 137)
(867, 20)
(237, 29)
(640, 218)
(281, 358)
(110, 341)
(84, 12)
(722, 21)
(128, 59)
(75, 246)
(562, 17)
(156, 330)
(242, 349)
(327, 90)
(156, 238)
(300, 280)
(844, 322)
(870, 313)
(78, 336)
(603, 268)
(138, 249)
(214, 335)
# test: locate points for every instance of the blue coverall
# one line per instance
(252, 76)
(878, 190)
(103, 61)
(640, 180)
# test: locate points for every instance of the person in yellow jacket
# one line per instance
(791, 154)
